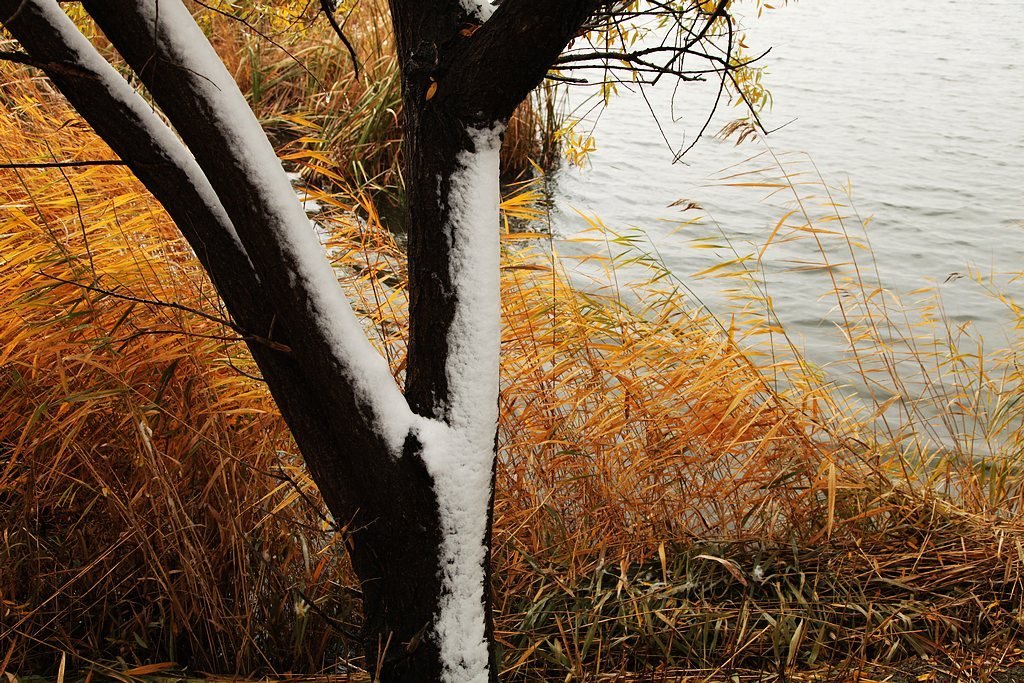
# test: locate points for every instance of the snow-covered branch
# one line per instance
(162, 42)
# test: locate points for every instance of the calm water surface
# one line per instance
(918, 104)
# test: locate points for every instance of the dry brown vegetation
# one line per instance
(665, 501)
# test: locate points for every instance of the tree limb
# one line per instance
(468, 83)
(328, 7)
(172, 57)
(139, 137)
(130, 126)
(174, 305)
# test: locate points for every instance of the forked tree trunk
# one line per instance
(392, 503)
(410, 477)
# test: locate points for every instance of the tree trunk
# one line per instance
(396, 558)
(442, 151)
(410, 477)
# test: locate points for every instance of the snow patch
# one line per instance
(459, 452)
(481, 9)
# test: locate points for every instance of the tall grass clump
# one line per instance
(146, 500)
(760, 528)
(930, 400)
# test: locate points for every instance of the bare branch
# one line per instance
(469, 85)
(172, 57)
(244, 335)
(249, 25)
(328, 7)
(49, 66)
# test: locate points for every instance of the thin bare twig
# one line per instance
(66, 164)
(249, 25)
(277, 346)
(328, 7)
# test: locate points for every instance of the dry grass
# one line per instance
(143, 479)
(701, 510)
(668, 498)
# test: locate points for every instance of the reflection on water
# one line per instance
(918, 104)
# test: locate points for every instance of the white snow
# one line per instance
(110, 80)
(481, 9)
(459, 453)
(368, 372)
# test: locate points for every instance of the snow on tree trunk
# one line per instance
(459, 450)
(481, 9)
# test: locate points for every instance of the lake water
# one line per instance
(918, 104)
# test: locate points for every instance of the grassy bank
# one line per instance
(669, 497)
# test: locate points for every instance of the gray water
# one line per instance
(919, 105)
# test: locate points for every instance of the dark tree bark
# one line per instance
(468, 93)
